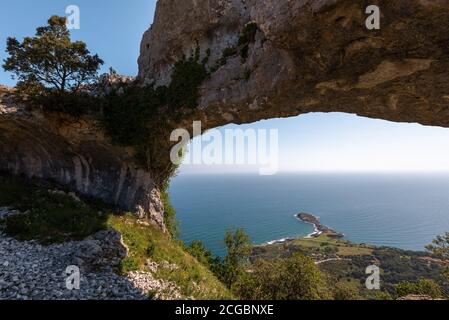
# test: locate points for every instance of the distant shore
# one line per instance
(319, 229)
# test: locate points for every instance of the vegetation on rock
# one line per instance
(440, 248)
(294, 278)
(247, 36)
(422, 287)
(144, 117)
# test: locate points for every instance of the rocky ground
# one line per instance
(29, 270)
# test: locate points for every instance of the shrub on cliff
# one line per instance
(238, 246)
(440, 248)
(295, 278)
(50, 64)
(198, 250)
(422, 287)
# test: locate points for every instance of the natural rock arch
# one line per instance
(305, 56)
(308, 56)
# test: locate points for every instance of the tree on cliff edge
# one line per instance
(50, 62)
(440, 248)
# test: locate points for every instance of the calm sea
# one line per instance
(399, 210)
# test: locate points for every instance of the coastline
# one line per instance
(319, 229)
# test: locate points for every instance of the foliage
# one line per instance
(151, 249)
(345, 290)
(198, 250)
(51, 61)
(238, 247)
(232, 266)
(144, 117)
(440, 248)
(422, 287)
(170, 215)
(247, 36)
(128, 265)
(188, 75)
(50, 217)
(294, 278)
(397, 265)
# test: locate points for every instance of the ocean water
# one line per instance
(399, 210)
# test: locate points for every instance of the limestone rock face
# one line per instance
(75, 153)
(308, 56)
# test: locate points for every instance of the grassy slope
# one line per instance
(145, 241)
(345, 248)
(65, 219)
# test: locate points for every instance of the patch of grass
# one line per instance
(170, 215)
(50, 217)
(152, 294)
(129, 264)
(344, 248)
(194, 279)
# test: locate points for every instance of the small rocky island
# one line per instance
(319, 228)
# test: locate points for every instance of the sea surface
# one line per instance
(398, 210)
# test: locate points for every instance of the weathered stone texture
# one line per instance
(309, 56)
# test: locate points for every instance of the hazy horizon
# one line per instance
(338, 142)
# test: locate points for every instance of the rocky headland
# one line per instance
(320, 229)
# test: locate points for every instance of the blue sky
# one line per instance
(314, 142)
(111, 28)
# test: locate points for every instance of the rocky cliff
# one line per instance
(76, 154)
(307, 56)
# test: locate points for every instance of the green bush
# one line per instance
(198, 250)
(344, 291)
(422, 287)
(170, 215)
(144, 117)
(128, 265)
(295, 278)
(238, 248)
